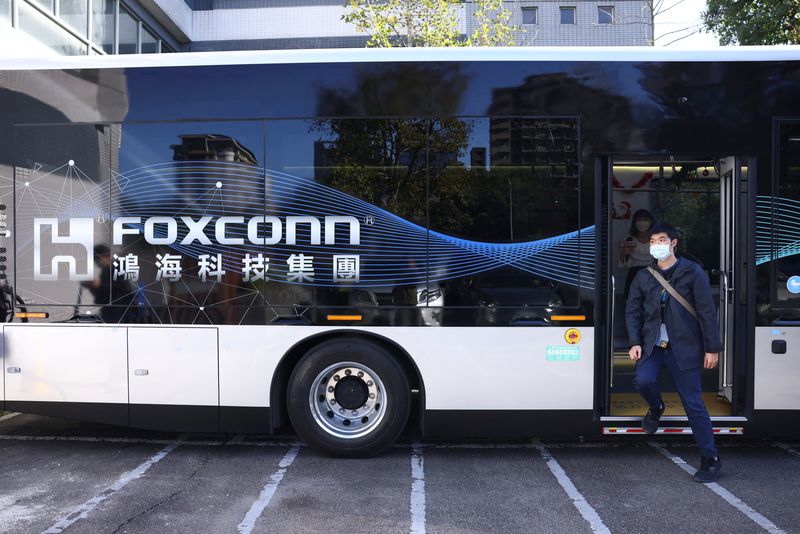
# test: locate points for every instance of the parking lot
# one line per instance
(63, 476)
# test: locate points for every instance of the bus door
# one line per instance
(705, 198)
(731, 172)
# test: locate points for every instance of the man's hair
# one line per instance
(664, 228)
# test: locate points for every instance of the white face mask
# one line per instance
(642, 226)
(660, 252)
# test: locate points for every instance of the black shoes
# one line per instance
(709, 470)
(651, 419)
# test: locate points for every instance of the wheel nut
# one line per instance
(360, 374)
(341, 410)
(371, 395)
(330, 389)
(369, 383)
(354, 412)
(335, 378)
(347, 372)
(333, 401)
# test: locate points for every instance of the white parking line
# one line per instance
(82, 511)
(729, 497)
(417, 489)
(535, 445)
(578, 500)
(788, 448)
(8, 416)
(249, 521)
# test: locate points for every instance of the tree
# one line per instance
(430, 22)
(754, 22)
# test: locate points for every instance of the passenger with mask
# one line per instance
(672, 323)
(634, 251)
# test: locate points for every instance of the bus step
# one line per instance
(625, 419)
(670, 430)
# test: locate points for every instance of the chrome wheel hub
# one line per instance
(347, 400)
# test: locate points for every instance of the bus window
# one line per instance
(506, 191)
(181, 201)
(786, 220)
(61, 180)
(372, 172)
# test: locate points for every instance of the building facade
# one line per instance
(80, 27)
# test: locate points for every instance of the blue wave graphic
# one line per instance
(392, 250)
(777, 228)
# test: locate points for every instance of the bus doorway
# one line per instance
(702, 198)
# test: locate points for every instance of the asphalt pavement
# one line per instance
(64, 476)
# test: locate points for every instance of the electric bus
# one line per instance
(356, 245)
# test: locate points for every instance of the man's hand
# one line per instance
(710, 360)
(635, 352)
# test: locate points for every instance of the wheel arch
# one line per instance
(280, 379)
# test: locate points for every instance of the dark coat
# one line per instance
(689, 339)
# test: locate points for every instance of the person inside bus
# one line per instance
(103, 289)
(634, 251)
(672, 323)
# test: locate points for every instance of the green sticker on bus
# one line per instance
(563, 353)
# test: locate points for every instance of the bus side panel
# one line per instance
(512, 368)
(776, 372)
(173, 377)
(74, 371)
(503, 382)
(248, 357)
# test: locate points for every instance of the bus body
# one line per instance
(354, 243)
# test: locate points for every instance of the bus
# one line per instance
(359, 245)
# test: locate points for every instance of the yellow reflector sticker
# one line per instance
(344, 317)
(568, 317)
(32, 315)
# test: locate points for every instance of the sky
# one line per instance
(683, 18)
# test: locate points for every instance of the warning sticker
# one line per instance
(572, 336)
(563, 353)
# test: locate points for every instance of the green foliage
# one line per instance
(754, 22)
(429, 22)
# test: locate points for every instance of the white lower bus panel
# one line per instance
(74, 371)
(478, 382)
(777, 368)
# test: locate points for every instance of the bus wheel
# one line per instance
(348, 397)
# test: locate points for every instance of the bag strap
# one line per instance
(672, 291)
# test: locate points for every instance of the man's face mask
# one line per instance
(660, 251)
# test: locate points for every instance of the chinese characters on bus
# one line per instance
(300, 268)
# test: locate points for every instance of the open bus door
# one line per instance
(706, 199)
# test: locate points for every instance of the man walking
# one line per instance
(672, 322)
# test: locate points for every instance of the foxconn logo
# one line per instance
(81, 232)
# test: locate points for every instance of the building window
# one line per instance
(32, 22)
(605, 15)
(128, 33)
(73, 13)
(5, 11)
(567, 15)
(149, 42)
(47, 5)
(103, 25)
(529, 15)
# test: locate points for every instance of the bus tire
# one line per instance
(349, 398)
